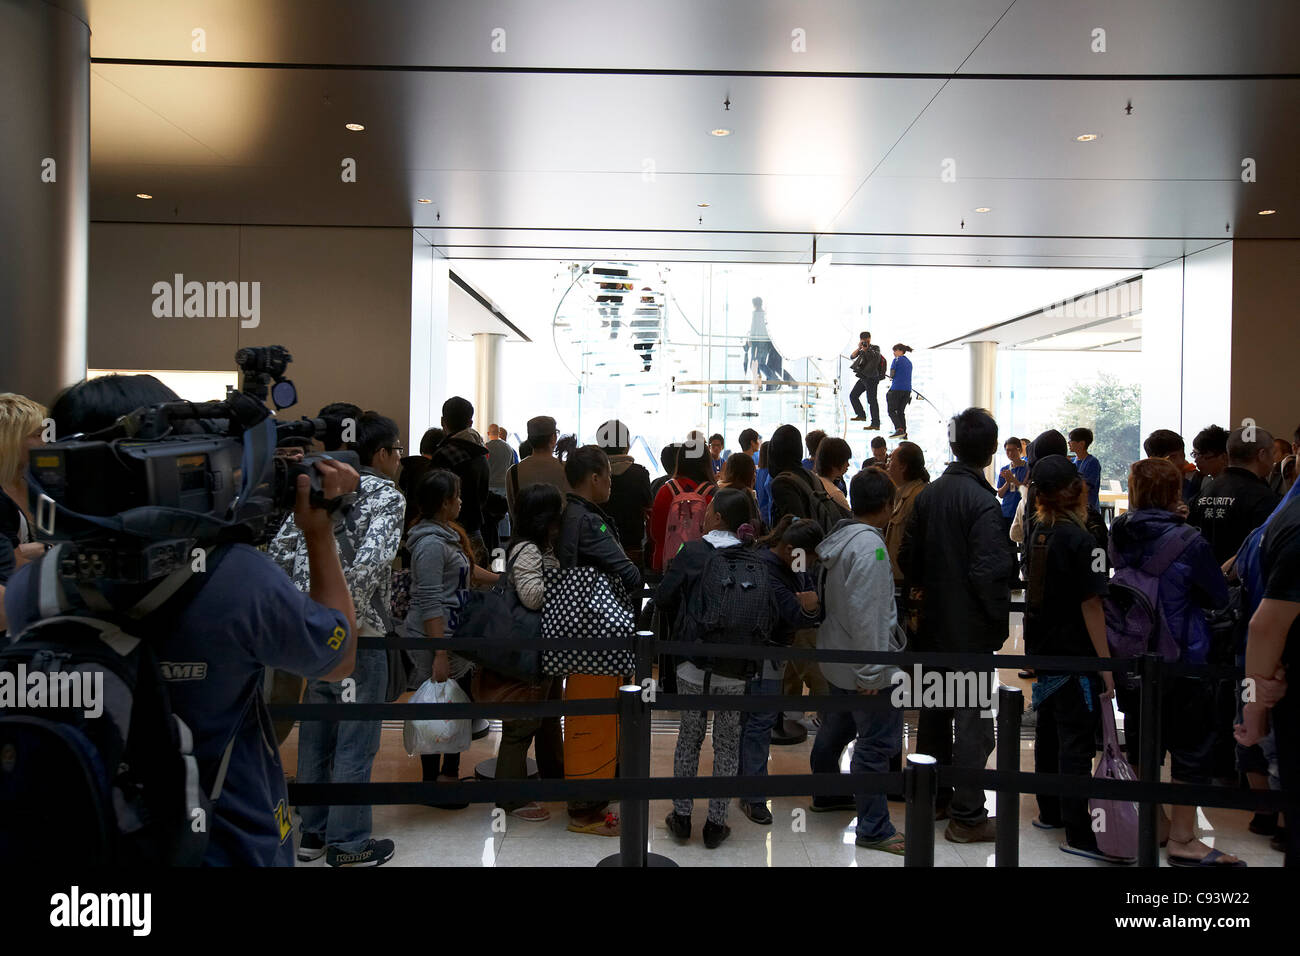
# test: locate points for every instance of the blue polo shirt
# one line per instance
(1090, 471)
(1011, 500)
(902, 380)
(247, 617)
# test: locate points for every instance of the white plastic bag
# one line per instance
(437, 736)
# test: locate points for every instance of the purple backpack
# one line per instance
(1134, 621)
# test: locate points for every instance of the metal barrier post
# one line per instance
(1011, 703)
(1148, 760)
(920, 790)
(634, 762)
(645, 656)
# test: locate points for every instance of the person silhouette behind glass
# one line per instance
(760, 350)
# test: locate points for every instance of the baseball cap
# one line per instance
(1053, 473)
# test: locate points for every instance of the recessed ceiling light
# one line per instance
(1267, 212)
(355, 127)
(702, 205)
(143, 196)
(1087, 137)
(424, 200)
(983, 209)
(720, 132)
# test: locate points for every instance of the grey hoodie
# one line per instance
(858, 597)
(439, 588)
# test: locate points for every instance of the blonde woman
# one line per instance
(20, 431)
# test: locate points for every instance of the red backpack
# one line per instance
(685, 517)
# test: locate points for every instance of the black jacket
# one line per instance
(10, 519)
(1231, 506)
(788, 498)
(956, 549)
(468, 460)
(786, 584)
(629, 500)
(867, 365)
(6, 561)
(589, 539)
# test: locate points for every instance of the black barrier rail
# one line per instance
(920, 780)
(937, 660)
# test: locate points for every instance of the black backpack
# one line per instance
(116, 788)
(732, 604)
(821, 507)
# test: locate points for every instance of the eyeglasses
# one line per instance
(397, 448)
(1200, 455)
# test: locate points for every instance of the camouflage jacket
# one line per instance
(367, 539)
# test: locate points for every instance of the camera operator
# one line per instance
(244, 617)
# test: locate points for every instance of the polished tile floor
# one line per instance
(429, 837)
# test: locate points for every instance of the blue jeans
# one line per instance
(342, 751)
(879, 735)
(756, 735)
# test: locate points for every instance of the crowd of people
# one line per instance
(772, 544)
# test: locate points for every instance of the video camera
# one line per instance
(137, 497)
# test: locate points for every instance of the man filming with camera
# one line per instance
(242, 616)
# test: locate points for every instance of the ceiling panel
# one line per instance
(616, 164)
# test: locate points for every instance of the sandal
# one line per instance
(1097, 855)
(606, 827)
(532, 812)
(895, 844)
(1215, 859)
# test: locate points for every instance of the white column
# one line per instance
(429, 292)
(983, 382)
(487, 378)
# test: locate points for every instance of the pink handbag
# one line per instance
(1119, 835)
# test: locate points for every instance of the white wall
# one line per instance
(1207, 339)
(1162, 347)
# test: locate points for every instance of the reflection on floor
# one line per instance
(428, 837)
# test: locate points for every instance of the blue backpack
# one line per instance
(116, 785)
(1134, 622)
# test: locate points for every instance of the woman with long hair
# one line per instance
(790, 552)
(692, 472)
(21, 421)
(830, 466)
(1064, 617)
(1191, 581)
(537, 528)
(740, 472)
(442, 572)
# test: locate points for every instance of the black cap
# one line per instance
(1053, 473)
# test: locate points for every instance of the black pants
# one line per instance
(1286, 729)
(958, 738)
(543, 733)
(896, 401)
(868, 385)
(1065, 741)
(448, 765)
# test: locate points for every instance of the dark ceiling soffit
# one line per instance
(483, 300)
(642, 71)
(794, 262)
(1041, 309)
